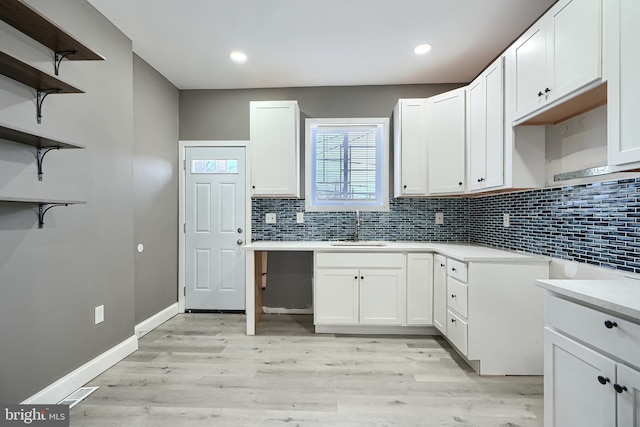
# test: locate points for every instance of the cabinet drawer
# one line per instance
(457, 296)
(588, 325)
(457, 331)
(457, 269)
(359, 260)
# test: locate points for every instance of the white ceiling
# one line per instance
(319, 42)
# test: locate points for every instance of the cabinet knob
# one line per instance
(404, 186)
(540, 94)
(453, 295)
(239, 229)
(239, 242)
(453, 269)
(361, 277)
(610, 325)
(453, 320)
(619, 388)
(355, 277)
(547, 90)
(460, 183)
(442, 265)
(602, 380)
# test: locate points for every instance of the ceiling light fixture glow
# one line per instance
(238, 57)
(421, 49)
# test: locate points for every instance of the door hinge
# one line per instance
(184, 291)
(184, 165)
(184, 227)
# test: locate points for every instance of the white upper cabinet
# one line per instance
(485, 128)
(559, 57)
(275, 141)
(446, 142)
(410, 148)
(623, 109)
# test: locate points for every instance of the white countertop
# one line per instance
(620, 296)
(459, 251)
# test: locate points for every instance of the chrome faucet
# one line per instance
(357, 226)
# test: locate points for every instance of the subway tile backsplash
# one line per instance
(408, 219)
(596, 223)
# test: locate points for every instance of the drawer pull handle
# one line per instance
(453, 269)
(619, 388)
(610, 325)
(602, 380)
(453, 320)
(453, 295)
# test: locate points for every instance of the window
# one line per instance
(347, 164)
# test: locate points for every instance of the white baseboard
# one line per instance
(76, 379)
(156, 320)
(376, 330)
(279, 310)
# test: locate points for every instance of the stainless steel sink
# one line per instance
(358, 243)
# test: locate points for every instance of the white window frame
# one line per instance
(349, 206)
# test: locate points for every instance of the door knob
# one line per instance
(239, 230)
(239, 242)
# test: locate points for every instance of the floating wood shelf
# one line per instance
(29, 21)
(42, 143)
(43, 205)
(30, 76)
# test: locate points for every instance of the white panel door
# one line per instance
(531, 69)
(411, 144)
(493, 79)
(335, 296)
(440, 293)
(577, 384)
(446, 135)
(629, 398)
(215, 220)
(382, 297)
(576, 32)
(419, 289)
(623, 90)
(476, 133)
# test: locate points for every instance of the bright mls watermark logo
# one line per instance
(34, 415)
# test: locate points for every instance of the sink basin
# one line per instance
(358, 243)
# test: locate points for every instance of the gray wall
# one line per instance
(224, 114)
(155, 183)
(51, 279)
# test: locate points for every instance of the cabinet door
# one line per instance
(576, 34)
(419, 289)
(629, 399)
(476, 133)
(275, 141)
(440, 293)
(493, 79)
(573, 394)
(382, 297)
(446, 142)
(336, 296)
(623, 109)
(531, 69)
(410, 148)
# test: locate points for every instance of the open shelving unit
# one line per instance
(29, 21)
(43, 144)
(43, 205)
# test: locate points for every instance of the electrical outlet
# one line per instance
(300, 217)
(270, 218)
(439, 218)
(99, 314)
(505, 220)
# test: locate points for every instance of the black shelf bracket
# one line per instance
(42, 211)
(42, 151)
(59, 56)
(41, 95)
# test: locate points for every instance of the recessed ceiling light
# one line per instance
(239, 57)
(421, 49)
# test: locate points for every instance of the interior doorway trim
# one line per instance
(183, 145)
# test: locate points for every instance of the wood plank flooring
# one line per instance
(202, 370)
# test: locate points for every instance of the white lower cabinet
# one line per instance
(440, 293)
(360, 289)
(493, 313)
(588, 377)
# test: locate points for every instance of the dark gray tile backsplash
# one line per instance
(596, 223)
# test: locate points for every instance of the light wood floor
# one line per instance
(202, 370)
